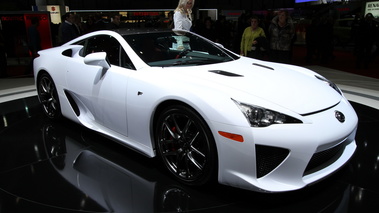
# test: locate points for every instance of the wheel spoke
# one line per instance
(177, 127)
(169, 150)
(194, 161)
(192, 139)
(181, 159)
(46, 86)
(167, 142)
(170, 130)
(52, 104)
(43, 87)
(198, 152)
(44, 98)
(187, 126)
(188, 172)
(186, 161)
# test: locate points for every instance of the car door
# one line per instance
(102, 91)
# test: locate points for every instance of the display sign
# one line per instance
(55, 13)
(372, 7)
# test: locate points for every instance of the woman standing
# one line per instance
(183, 15)
(252, 37)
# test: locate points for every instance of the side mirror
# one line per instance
(97, 59)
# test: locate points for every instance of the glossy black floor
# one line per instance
(63, 167)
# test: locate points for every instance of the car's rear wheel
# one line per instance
(48, 96)
(186, 145)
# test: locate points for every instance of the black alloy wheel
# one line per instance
(186, 145)
(48, 96)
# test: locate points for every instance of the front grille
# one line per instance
(324, 158)
(268, 158)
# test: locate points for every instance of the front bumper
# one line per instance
(290, 156)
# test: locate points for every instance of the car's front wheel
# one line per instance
(48, 96)
(186, 145)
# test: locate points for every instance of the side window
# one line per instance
(125, 60)
(105, 43)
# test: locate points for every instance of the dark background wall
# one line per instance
(166, 4)
(150, 4)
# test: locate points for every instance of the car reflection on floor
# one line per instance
(63, 167)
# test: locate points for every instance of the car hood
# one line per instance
(294, 88)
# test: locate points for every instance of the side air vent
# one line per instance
(72, 103)
(67, 53)
(221, 72)
(264, 66)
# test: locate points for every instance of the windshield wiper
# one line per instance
(197, 61)
(183, 53)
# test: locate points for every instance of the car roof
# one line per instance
(133, 31)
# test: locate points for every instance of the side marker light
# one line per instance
(231, 136)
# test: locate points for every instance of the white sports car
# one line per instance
(205, 111)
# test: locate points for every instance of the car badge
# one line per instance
(340, 116)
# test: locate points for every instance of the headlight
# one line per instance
(261, 117)
(331, 84)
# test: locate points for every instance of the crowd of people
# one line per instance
(251, 36)
(253, 41)
(274, 40)
(269, 38)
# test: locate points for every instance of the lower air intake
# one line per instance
(324, 158)
(268, 158)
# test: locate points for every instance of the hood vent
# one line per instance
(264, 66)
(221, 72)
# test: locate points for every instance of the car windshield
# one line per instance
(177, 48)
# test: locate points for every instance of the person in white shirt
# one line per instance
(183, 15)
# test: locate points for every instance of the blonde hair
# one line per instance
(182, 4)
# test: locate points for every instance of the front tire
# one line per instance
(186, 145)
(48, 96)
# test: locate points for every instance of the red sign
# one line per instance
(145, 13)
(43, 28)
(12, 18)
(15, 31)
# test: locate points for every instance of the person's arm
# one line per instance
(178, 20)
(262, 33)
(242, 45)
